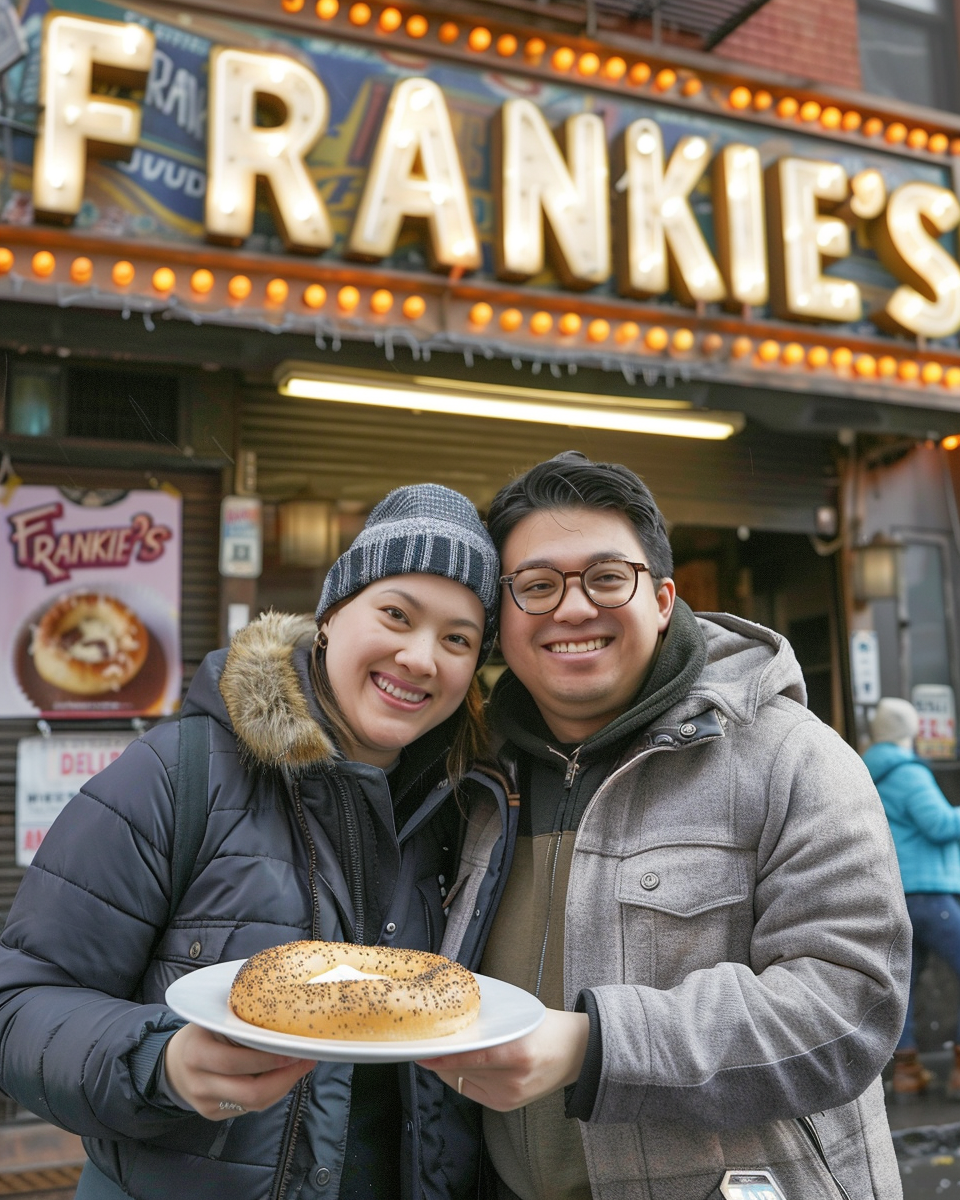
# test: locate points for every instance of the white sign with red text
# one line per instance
(50, 771)
(937, 736)
(89, 603)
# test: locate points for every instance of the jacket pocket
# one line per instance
(684, 908)
(195, 944)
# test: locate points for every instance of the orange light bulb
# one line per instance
(895, 133)
(886, 366)
(762, 101)
(841, 358)
(479, 39)
(951, 377)
(277, 291)
(417, 26)
(932, 372)
(872, 126)
(481, 314)
(598, 330)
(541, 323)
(768, 351)
(43, 263)
(665, 79)
(123, 273)
(381, 301)
(315, 296)
(908, 371)
(348, 298)
(506, 45)
(81, 270)
(851, 121)
(629, 331)
(818, 356)
(588, 64)
(239, 287)
(741, 97)
(360, 14)
(164, 279)
(390, 20)
(917, 139)
(448, 33)
(793, 354)
(657, 338)
(511, 319)
(562, 58)
(683, 340)
(327, 9)
(414, 307)
(202, 281)
(742, 346)
(6, 260)
(291, 6)
(535, 48)
(639, 74)
(810, 110)
(938, 143)
(613, 69)
(570, 324)
(692, 87)
(831, 117)
(950, 442)
(712, 343)
(865, 366)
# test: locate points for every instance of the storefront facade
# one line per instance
(325, 250)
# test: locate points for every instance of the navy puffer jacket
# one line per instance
(89, 948)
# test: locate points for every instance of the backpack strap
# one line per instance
(189, 803)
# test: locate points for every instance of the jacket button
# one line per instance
(663, 739)
(322, 1177)
(688, 729)
(194, 950)
(391, 927)
(649, 881)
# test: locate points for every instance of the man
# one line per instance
(703, 889)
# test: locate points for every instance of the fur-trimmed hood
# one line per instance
(265, 687)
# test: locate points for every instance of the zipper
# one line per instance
(354, 859)
(295, 1118)
(427, 918)
(546, 928)
(573, 766)
(806, 1123)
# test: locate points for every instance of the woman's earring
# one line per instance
(321, 639)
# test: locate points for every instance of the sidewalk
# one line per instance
(926, 1135)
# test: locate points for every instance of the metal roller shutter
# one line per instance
(760, 478)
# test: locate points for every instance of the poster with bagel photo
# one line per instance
(89, 602)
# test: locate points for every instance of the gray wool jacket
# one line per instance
(735, 919)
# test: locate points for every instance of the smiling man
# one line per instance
(703, 890)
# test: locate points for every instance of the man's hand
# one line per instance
(221, 1079)
(510, 1076)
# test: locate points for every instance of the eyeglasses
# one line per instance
(610, 583)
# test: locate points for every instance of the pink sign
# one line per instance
(89, 603)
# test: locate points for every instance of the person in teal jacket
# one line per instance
(926, 834)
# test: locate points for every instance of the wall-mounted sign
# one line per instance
(865, 666)
(50, 772)
(496, 169)
(89, 603)
(937, 711)
(241, 537)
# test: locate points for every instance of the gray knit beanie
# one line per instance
(895, 720)
(423, 528)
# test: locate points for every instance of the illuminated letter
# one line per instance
(416, 172)
(241, 151)
(534, 176)
(804, 238)
(905, 239)
(739, 223)
(74, 49)
(665, 247)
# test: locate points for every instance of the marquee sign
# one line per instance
(457, 198)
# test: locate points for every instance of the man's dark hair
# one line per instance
(571, 480)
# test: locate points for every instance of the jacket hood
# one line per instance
(747, 666)
(260, 688)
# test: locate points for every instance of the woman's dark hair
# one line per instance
(571, 480)
(470, 742)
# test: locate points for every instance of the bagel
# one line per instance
(400, 994)
(88, 644)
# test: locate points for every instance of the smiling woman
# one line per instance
(336, 808)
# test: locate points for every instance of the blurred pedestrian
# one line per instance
(926, 833)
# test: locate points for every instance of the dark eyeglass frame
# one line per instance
(565, 575)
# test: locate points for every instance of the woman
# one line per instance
(339, 780)
(926, 835)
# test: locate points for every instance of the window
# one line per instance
(909, 51)
(50, 400)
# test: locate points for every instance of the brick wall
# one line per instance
(813, 39)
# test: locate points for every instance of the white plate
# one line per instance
(506, 1013)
